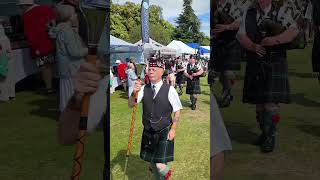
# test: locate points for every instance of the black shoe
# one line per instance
(193, 107)
(259, 140)
(225, 102)
(180, 93)
(268, 144)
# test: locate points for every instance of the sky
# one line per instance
(172, 8)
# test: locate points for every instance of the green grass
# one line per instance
(29, 150)
(191, 142)
(297, 153)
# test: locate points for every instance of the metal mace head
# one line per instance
(95, 12)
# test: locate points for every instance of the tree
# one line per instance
(125, 23)
(188, 25)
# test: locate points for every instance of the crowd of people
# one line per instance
(57, 38)
(177, 72)
(265, 30)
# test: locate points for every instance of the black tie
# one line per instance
(153, 90)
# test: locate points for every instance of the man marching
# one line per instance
(159, 101)
(228, 49)
(193, 73)
(180, 68)
(265, 31)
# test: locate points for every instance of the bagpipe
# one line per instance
(271, 27)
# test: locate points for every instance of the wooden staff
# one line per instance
(95, 16)
(129, 147)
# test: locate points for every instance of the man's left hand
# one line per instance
(269, 41)
(171, 134)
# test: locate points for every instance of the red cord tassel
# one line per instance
(167, 176)
(275, 119)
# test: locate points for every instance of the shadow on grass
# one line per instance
(241, 133)
(137, 168)
(300, 99)
(303, 75)
(313, 130)
(46, 108)
(185, 103)
(206, 102)
(123, 95)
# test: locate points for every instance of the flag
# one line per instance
(145, 21)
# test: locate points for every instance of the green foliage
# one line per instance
(126, 23)
(188, 25)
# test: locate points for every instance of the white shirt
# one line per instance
(173, 96)
(284, 17)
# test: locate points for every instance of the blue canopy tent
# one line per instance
(197, 46)
(120, 50)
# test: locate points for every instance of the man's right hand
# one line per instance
(259, 50)
(137, 86)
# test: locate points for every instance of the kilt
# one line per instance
(267, 82)
(316, 52)
(228, 57)
(180, 79)
(193, 86)
(164, 151)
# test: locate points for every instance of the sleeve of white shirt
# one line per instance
(174, 99)
(242, 28)
(140, 94)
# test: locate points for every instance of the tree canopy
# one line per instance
(125, 24)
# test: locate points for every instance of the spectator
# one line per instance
(71, 51)
(7, 83)
(121, 69)
(36, 19)
(132, 77)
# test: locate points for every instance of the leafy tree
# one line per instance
(188, 25)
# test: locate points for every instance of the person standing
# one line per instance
(70, 51)
(266, 80)
(159, 101)
(228, 50)
(36, 19)
(193, 73)
(121, 70)
(7, 65)
(132, 77)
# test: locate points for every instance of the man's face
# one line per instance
(192, 60)
(155, 74)
(264, 3)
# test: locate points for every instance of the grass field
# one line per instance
(297, 153)
(191, 142)
(29, 149)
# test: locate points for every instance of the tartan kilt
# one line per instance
(228, 57)
(193, 86)
(163, 153)
(267, 82)
(180, 79)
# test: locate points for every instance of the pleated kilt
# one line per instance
(193, 86)
(180, 79)
(164, 151)
(228, 57)
(266, 80)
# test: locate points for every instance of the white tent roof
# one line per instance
(119, 42)
(154, 45)
(181, 47)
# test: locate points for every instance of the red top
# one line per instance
(35, 23)
(121, 68)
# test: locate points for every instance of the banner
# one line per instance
(145, 21)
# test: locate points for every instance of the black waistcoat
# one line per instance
(156, 112)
